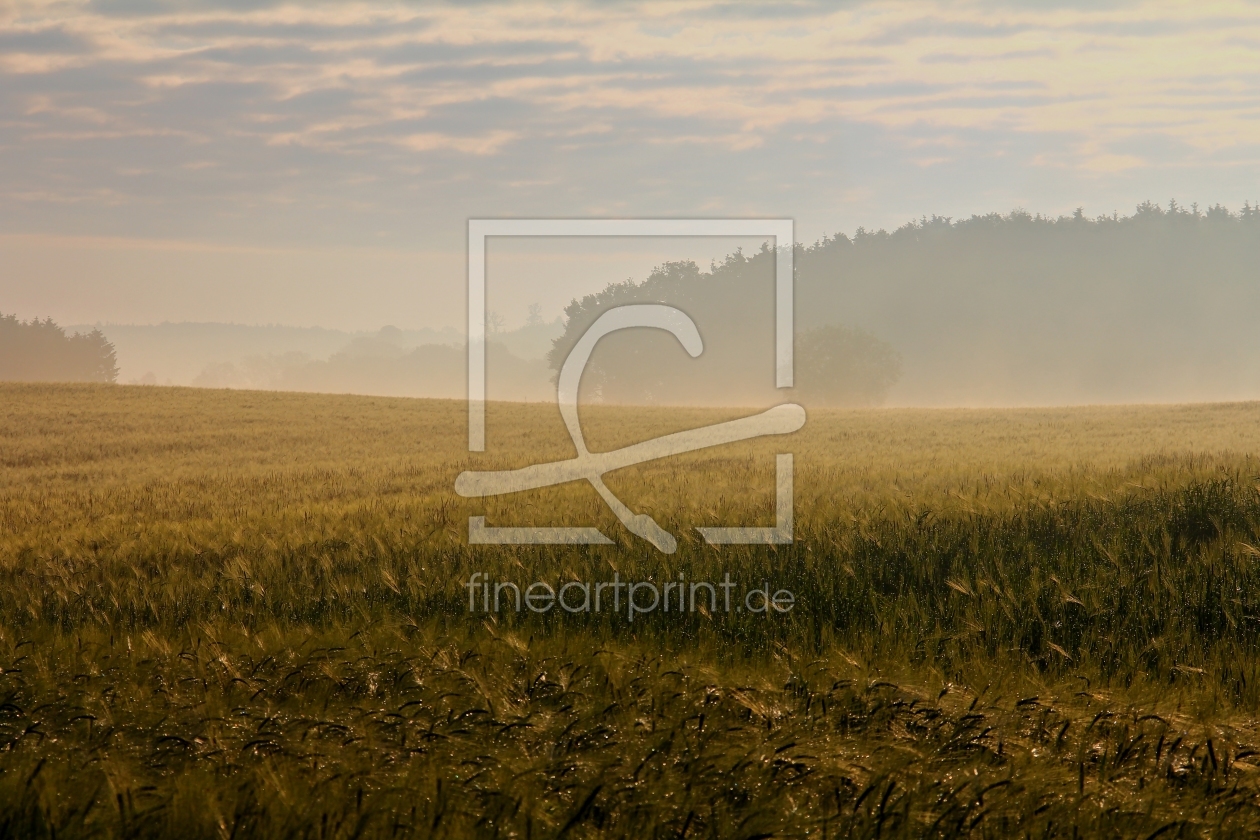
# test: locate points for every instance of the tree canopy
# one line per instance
(40, 351)
(1006, 309)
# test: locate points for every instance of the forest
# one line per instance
(1013, 309)
(40, 351)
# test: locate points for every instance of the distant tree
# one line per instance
(840, 366)
(40, 351)
(732, 306)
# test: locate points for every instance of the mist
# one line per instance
(995, 310)
(386, 362)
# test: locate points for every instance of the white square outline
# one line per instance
(782, 230)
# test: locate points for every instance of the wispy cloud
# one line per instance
(566, 107)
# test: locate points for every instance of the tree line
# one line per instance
(40, 351)
(999, 309)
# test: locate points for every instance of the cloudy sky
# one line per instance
(316, 164)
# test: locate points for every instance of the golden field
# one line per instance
(237, 614)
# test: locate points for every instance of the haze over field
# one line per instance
(995, 310)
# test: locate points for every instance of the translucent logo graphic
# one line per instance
(591, 466)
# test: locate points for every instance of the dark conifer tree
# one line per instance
(40, 351)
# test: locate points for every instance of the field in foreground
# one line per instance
(231, 614)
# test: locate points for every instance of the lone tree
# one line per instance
(40, 351)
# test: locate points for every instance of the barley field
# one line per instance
(230, 614)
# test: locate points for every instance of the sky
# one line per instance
(316, 164)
